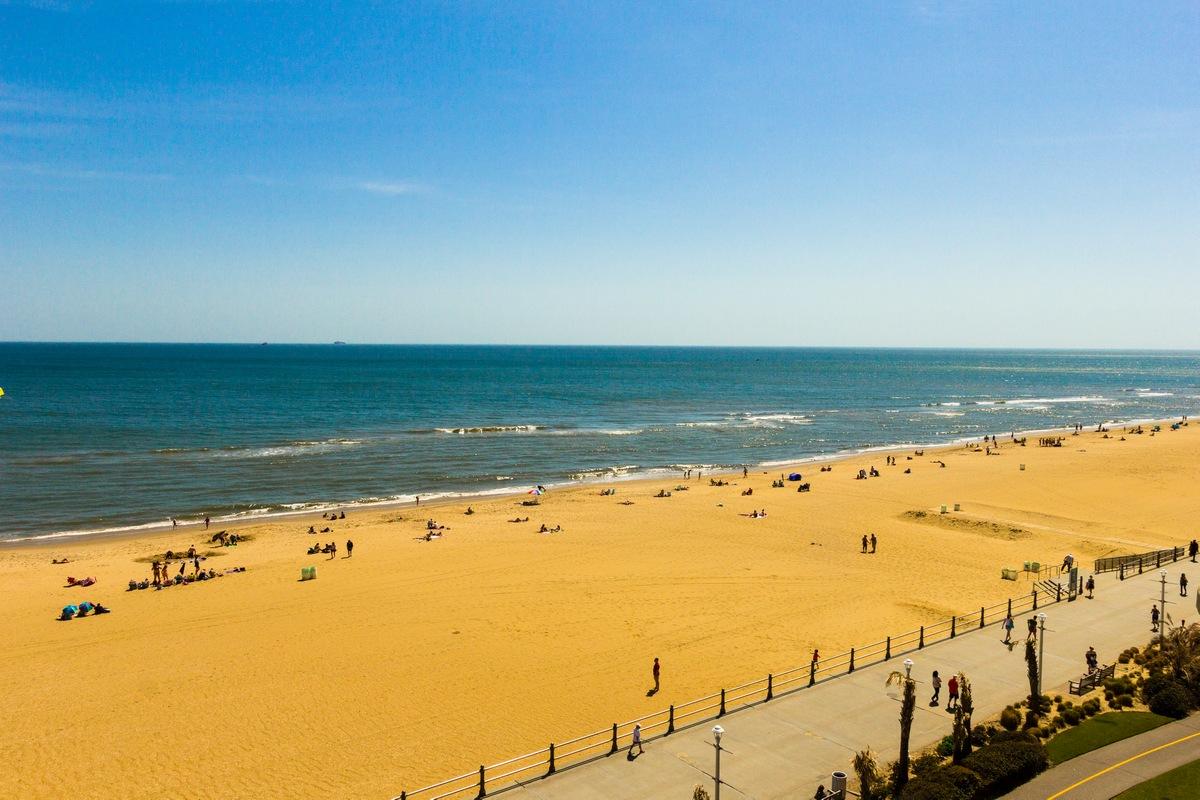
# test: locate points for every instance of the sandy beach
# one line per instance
(416, 660)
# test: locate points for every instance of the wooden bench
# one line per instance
(1092, 680)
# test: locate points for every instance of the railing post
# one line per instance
(670, 720)
(1010, 606)
(812, 673)
(403, 796)
(888, 653)
(981, 613)
(482, 784)
(1121, 575)
(551, 770)
(1141, 566)
(921, 641)
(953, 621)
(1035, 599)
(851, 660)
(721, 713)
(1058, 594)
(1158, 559)
(770, 686)
(614, 742)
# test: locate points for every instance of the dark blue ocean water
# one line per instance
(105, 436)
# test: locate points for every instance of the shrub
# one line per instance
(1058, 699)
(1092, 707)
(980, 735)
(1172, 701)
(1155, 684)
(926, 763)
(946, 746)
(1125, 701)
(1072, 716)
(1010, 719)
(950, 782)
(1003, 766)
(1003, 737)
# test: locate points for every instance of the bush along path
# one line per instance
(1009, 752)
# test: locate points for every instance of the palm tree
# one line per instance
(1035, 697)
(869, 779)
(908, 707)
(962, 720)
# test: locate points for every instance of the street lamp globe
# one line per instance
(1042, 617)
(716, 732)
(908, 665)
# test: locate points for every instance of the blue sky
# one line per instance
(907, 173)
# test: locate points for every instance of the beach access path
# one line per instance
(786, 747)
(1112, 769)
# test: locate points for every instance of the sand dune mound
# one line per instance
(979, 527)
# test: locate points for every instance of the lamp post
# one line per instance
(1041, 651)
(908, 665)
(716, 732)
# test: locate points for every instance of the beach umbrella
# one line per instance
(537, 490)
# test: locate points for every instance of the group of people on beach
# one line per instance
(871, 540)
(331, 549)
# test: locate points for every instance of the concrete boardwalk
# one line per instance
(785, 748)
(1107, 772)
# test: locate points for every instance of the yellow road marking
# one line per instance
(1077, 784)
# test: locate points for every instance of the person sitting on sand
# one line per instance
(342, 515)
(312, 529)
(543, 529)
(470, 511)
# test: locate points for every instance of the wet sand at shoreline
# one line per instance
(413, 660)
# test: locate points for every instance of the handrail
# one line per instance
(719, 703)
(1140, 560)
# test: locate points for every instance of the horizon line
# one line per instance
(340, 343)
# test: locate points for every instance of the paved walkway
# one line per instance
(785, 748)
(1107, 772)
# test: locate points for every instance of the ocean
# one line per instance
(107, 437)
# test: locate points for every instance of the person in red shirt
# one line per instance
(952, 686)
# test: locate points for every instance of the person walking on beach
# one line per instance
(745, 472)
(636, 740)
(1182, 584)
(864, 543)
(206, 521)
(952, 688)
(1154, 619)
(937, 689)
(1090, 586)
(332, 550)
(874, 542)
(655, 670)
(1008, 629)
(349, 548)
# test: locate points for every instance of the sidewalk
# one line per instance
(783, 749)
(1118, 766)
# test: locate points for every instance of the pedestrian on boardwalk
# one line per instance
(636, 740)
(1154, 619)
(1032, 624)
(1182, 585)
(864, 543)
(1193, 549)
(937, 689)
(1090, 586)
(656, 670)
(874, 542)
(1008, 629)
(1093, 660)
(952, 688)
(349, 548)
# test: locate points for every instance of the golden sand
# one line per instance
(413, 660)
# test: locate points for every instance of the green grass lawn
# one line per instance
(1100, 730)
(1179, 782)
